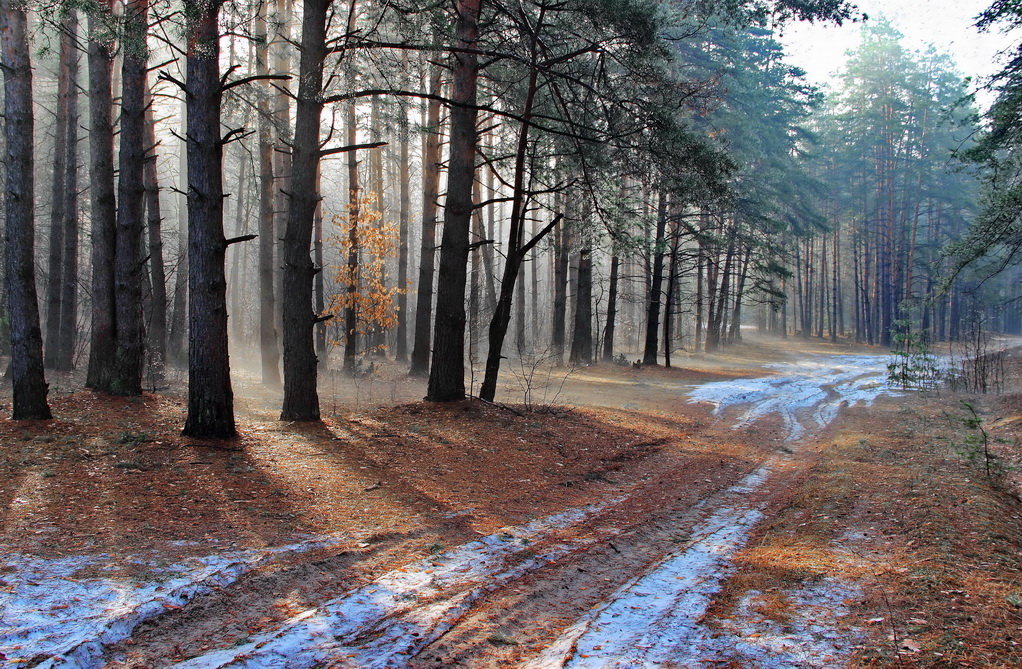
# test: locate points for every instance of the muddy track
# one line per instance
(622, 582)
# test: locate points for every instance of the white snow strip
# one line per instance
(50, 617)
(823, 383)
(389, 620)
(650, 619)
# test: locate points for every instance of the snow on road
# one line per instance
(388, 621)
(656, 619)
(813, 389)
(52, 616)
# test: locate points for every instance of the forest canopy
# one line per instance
(452, 185)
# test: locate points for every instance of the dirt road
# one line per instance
(659, 557)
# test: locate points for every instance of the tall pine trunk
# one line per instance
(582, 334)
(157, 269)
(649, 354)
(354, 213)
(26, 370)
(210, 397)
(58, 220)
(611, 325)
(67, 341)
(447, 366)
(269, 354)
(102, 346)
(404, 213)
(128, 265)
(301, 397)
(421, 338)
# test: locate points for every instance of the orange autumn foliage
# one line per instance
(376, 243)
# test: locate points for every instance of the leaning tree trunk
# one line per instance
(102, 345)
(421, 337)
(301, 398)
(562, 250)
(128, 265)
(447, 368)
(609, 328)
(69, 279)
(26, 370)
(54, 293)
(269, 353)
(154, 224)
(210, 397)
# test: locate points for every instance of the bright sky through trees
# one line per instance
(947, 24)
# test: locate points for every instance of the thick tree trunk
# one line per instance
(58, 220)
(447, 366)
(649, 354)
(210, 397)
(301, 397)
(269, 354)
(26, 367)
(102, 345)
(158, 272)
(421, 338)
(128, 265)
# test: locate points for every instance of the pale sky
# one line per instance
(947, 24)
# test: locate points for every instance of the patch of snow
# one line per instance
(389, 620)
(822, 383)
(55, 619)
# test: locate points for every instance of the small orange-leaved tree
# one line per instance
(363, 299)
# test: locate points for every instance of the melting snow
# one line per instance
(823, 384)
(654, 618)
(389, 620)
(51, 617)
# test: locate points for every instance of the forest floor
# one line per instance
(732, 512)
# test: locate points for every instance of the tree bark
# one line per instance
(158, 272)
(269, 354)
(447, 367)
(102, 346)
(301, 397)
(128, 265)
(354, 213)
(210, 397)
(421, 338)
(611, 325)
(58, 219)
(582, 335)
(404, 213)
(69, 279)
(26, 367)
(176, 349)
(649, 354)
